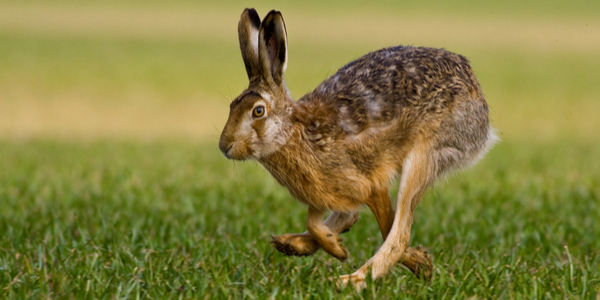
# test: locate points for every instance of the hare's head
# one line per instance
(259, 117)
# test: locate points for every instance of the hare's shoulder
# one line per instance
(342, 114)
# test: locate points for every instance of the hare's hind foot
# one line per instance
(358, 280)
(295, 244)
(418, 260)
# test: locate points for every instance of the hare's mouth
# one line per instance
(236, 152)
(227, 152)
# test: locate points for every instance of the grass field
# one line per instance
(112, 185)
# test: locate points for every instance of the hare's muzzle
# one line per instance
(225, 146)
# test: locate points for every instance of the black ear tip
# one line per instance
(251, 11)
(272, 15)
(253, 15)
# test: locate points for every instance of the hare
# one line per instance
(412, 112)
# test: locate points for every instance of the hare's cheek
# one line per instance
(244, 129)
(259, 126)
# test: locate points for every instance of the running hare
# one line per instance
(402, 111)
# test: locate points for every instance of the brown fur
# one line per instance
(409, 111)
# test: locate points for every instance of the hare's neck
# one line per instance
(294, 165)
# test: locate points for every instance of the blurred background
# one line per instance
(133, 69)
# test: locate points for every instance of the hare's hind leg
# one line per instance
(381, 206)
(417, 260)
(418, 172)
(304, 245)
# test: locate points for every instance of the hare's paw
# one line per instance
(358, 280)
(295, 244)
(419, 261)
(337, 249)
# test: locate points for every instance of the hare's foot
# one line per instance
(335, 247)
(358, 280)
(322, 234)
(304, 244)
(419, 261)
(295, 244)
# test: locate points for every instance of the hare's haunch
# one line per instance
(402, 111)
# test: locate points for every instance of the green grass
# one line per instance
(173, 219)
(98, 200)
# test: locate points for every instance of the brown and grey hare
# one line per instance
(411, 112)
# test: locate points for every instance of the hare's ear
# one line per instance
(248, 29)
(273, 47)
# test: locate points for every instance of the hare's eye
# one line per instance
(258, 111)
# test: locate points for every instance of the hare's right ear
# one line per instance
(248, 31)
(273, 47)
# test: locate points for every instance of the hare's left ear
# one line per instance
(273, 47)
(248, 29)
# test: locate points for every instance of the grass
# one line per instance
(112, 186)
(170, 220)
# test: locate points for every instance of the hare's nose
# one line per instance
(225, 146)
(226, 152)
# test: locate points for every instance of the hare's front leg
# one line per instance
(304, 245)
(327, 238)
